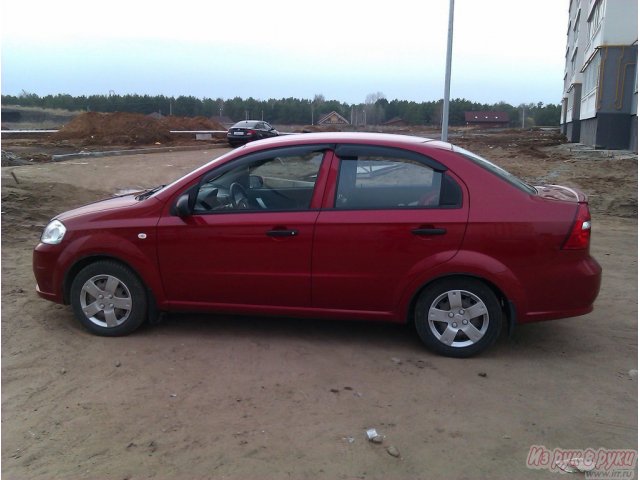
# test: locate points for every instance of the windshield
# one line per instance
(496, 170)
(204, 167)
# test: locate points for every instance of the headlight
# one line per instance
(53, 233)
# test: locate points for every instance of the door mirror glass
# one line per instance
(182, 206)
(256, 181)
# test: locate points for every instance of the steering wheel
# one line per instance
(239, 197)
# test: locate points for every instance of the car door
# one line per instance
(271, 132)
(248, 238)
(260, 130)
(390, 216)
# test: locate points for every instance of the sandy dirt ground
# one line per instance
(253, 398)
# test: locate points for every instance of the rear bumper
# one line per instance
(566, 293)
(240, 140)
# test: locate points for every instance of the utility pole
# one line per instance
(447, 80)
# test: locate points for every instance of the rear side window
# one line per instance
(388, 180)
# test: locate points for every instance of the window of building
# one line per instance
(597, 14)
(592, 74)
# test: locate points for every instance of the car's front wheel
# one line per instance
(458, 317)
(108, 298)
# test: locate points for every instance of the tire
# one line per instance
(108, 299)
(458, 317)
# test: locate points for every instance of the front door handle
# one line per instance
(429, 231)
(282, 233)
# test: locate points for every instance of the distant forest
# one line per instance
(295, 111)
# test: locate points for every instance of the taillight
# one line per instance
(251, 132)
(580, 231)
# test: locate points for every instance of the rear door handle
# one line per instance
(282, 233)
(429, 231)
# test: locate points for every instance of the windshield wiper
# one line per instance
(150, 192)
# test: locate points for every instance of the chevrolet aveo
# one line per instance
(343, 226)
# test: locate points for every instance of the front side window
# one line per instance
(278, 182)
(389, 181)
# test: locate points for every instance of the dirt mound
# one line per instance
(118, 128)
(121, 128)
(187, 123)
(318, 128)
(11, 159)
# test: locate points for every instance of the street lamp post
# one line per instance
(447, 80)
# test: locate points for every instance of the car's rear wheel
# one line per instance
(108, 299)
(458, 317)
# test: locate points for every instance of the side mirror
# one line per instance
(182, 206)
(256, 181)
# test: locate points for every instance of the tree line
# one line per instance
(375, 110)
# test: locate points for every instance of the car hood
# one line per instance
(102, 206)
(558, 192)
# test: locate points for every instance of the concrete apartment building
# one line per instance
(600, 96)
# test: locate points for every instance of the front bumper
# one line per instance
(47, 274)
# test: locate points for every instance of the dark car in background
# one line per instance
(248, 131)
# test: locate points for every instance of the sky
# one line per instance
(503, 50)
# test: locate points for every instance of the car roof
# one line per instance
(382, 139)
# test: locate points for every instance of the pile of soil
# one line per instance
(120, 128)
(94, 128)
(318, 128)
(10, 159)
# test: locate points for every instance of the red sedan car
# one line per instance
(341, 225)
